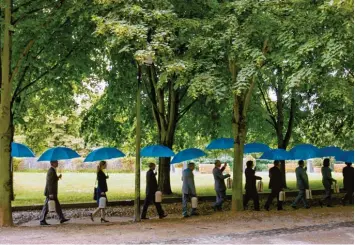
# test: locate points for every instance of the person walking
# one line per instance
(327, 182)
(101, 190)
(275, 185)
(250, 187)
(188, 189)
(151, 189)
(302, 184)
(348, 182)
(51, 193)
(219, 185)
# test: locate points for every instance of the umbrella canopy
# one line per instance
(304, 152)
(346, 156)
(221, 143)
(329, 151)
(188, 154)
(157, 151)
(104, 153)
(58, 153)
(20, 150)
(276, 154)
(255, 147)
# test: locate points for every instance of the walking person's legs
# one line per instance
(255, 197)
(298, 198)
(145, 208)
(44, 212)
(184, 204)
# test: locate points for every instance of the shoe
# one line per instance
(144, 218)
(343, 201)
(257, 209)
(307, 207)
(162, 216)
(294, 207)
(64, 220)
(214, 208)
(330, 206)
(267, 208)
(104, 221)
(320, 203)
(280, 209)
(185, 216)
(43, 223)
(91, 217)
(194, 214)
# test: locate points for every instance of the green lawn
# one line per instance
(78, 187)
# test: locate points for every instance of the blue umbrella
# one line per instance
(221, 143)
(304, 152)
(104, 153)
(330, 151)
(255, 147)
(346, 156)
(188, 154)
(276, 154)
(156, 151)
(20, 150)
(58, 153)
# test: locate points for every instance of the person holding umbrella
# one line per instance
(327, 181)
(151, 188)
(51, 193)
(188, 189)
(348, 181)
(275, 185)
(250, 186)
(219, 185)
(101, 190)
(302, 184)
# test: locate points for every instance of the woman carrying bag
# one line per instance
(100, 191)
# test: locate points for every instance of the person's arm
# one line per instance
(220, 176)
(51, 180)
(329, 176)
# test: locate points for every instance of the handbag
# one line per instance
(308, 194)
(260, 187)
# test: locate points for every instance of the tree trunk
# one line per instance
(5, 119)
(137, 195)
(164, 167)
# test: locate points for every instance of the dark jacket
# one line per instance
(327, 179)
(348, 181)
(302, 178)
(219, 184)
(250, 179)
(101, 181)
(152, 184)
(275, 178)
(51, 183)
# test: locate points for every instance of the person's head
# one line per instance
(217, 163)
(152, 166)
(102, 165)
(191, 166)
(250, 164)
(301, 163)
(348, 164)
(54, 164)
(326, 162)
(277, 163)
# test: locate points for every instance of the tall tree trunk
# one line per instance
(137, 195)
(5, 120)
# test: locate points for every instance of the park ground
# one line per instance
(303, 226)
(78, 187)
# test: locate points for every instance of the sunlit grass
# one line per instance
(78, 187)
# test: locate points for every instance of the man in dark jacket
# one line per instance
(327, 181)
(51, 193)
(302, 184)
(151, 188)
(219, 185)
(348, 181)
(250, 187)
(275, 185)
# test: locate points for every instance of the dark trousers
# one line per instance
(273, 194)
(300, 197)
(220, 197)
(328, 195)
(58, 209)
(149, 200)
(251, 194)
(349, 196)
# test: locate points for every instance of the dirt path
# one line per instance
(316, 225)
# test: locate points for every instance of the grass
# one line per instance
(78, 187)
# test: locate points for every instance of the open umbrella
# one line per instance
(304, 152)
(157, 151)
(221, 143)
(188, 154)
(58, 153)
(329, 151)
(255, 147)
(20, 150)
(104, 153)
(346, 156)
(276, 154)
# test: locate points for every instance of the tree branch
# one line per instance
(23, 55)
(290, 121)
(186, 109)
(268, 108)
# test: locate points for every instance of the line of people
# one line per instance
(189, 190)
